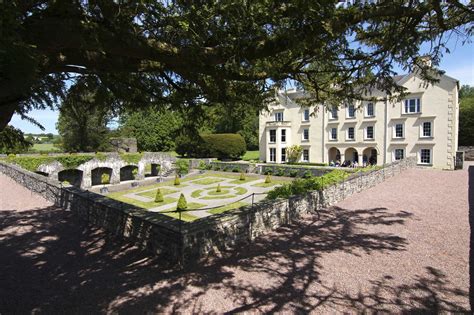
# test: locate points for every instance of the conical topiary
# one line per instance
(218, 189)
(159, 196)
(177, 182)
(182, 203)
(268, 179)
(242, 176)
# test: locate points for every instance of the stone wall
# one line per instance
(231, 166)
(213, 235)
(296, 170)
(468, 153)
(155, 232)
(195, 241)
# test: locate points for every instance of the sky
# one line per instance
(459, 64)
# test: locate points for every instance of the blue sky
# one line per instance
(459, 64)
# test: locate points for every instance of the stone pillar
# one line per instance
(115, 177)
(141, 171)
(86, 178)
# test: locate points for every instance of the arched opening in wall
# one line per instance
(350, 156)
(128, 172)
(72, 176)
(42, 173)
(97, 173)
(334, 156)
(152, 169)
(369, 156)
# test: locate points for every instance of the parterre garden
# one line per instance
(214, 192)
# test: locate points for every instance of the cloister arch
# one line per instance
(73, 176)
(351, 155)
(369, 155)
(96, 174)
(334, 155)
(128, 172)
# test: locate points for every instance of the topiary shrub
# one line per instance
(159, 196)
(307, 174)
(224, 145)
(293, 173)
(177, 181)
(242, 176)
(182, 203)
(218, 189)
(268, 179)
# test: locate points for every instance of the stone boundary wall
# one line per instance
(191, 242)
(468, 152)
(195, 163)
(229, 166)
(155, 232)
(213, 235)
(300, 170)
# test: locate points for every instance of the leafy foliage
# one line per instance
(154, 129)
(466, 116)
(192, 55)
(293, 153)
(222, 146)
(131, 158)
(13, 141)
(301, 186)
(182, 166)
(83, 117)
(105, 178)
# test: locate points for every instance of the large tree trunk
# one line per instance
(7, 110)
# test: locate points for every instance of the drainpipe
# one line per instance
(324, 134)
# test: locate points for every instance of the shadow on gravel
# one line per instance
(50, 263)
(471, 245)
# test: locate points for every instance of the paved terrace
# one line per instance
(400, 246)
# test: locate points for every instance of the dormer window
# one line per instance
(279, 116)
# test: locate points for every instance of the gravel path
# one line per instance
(400, 246)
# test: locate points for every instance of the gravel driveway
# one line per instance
(400, 246)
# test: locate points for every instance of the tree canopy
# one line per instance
(466, 115)
(84, 116)
(189, 53)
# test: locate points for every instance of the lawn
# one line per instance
(139, 203)
(46, 147)
(152, 193)
(200, 192)
(251, 155)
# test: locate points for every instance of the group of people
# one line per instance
(353, 164)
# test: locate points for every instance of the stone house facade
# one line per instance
(424, 124)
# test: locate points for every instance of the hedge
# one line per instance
(222, 146)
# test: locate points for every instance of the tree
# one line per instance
(12, 141)
(466, 116)
(182, 203)
(154, 129)
(83, 117)
(293, 153)
(191, 54)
